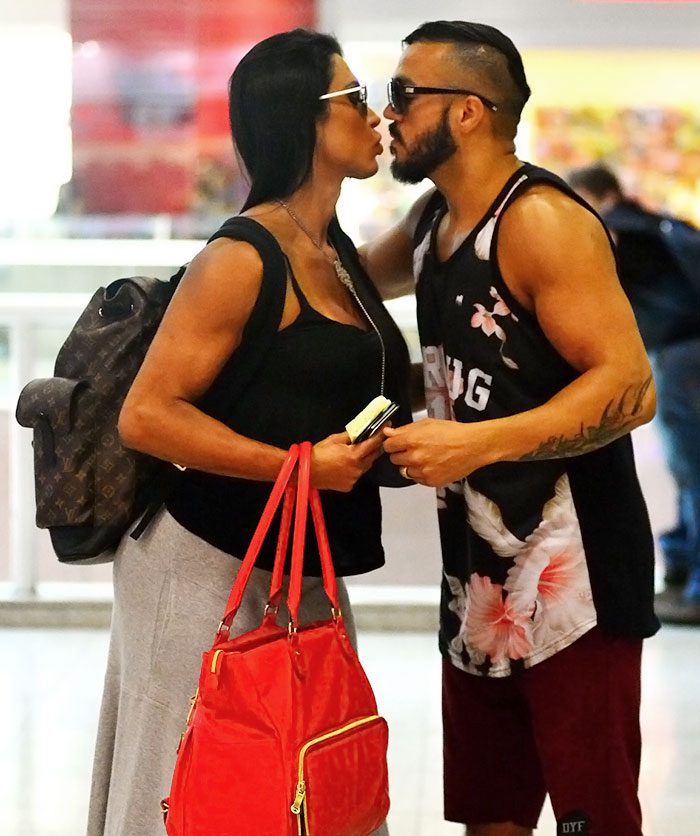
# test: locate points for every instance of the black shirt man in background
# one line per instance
(659, 267)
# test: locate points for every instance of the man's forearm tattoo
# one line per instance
(618, 418)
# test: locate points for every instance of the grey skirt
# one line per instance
(170, 592)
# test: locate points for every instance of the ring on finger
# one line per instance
(404, 472)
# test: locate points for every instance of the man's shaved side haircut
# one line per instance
(485, 52)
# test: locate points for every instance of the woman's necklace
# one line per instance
(344, 278)
(340, 271)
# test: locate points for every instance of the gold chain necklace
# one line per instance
(344, 278)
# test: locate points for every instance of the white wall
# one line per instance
(35, 96)
(33, 12)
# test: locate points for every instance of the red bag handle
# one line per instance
(304, 493)
(278, 489)
(273, 601)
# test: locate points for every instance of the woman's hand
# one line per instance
(337, 464)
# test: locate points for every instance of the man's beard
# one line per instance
(432, 149)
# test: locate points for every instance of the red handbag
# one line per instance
(283, 736)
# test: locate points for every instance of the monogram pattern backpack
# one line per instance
(90, 489)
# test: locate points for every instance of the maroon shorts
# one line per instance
(568, 726)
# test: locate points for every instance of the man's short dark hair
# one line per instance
(597, 179)
(492, 55)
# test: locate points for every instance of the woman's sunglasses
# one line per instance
(400, 94)
(356, 95)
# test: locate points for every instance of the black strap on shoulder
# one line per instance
(250, 355)
(264, 319)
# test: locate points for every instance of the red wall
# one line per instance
(149, 114)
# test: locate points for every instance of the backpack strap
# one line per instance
(249, 356)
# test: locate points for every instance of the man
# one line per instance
(659, 264)
(535, 374)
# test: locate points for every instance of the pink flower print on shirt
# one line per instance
(547, 589)
(558, 577)
(485, 320)
(550, 573)
(458, 605)
(493, 626)
(552, 561)
(500, 307)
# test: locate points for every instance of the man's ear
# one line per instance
(471, 113)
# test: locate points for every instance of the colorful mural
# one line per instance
(655, 151)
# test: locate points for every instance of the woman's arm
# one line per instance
(201, 328)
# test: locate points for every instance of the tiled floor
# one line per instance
(51, 683)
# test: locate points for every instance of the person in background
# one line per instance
(535, 374)
(301, 125)
(658, 261)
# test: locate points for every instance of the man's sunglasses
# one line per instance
(400, 94)
(356, 95)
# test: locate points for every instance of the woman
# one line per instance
(300, 125)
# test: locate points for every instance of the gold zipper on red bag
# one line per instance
(193, 702)
(215, 659)
(300, 798)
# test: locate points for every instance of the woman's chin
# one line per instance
(368, 171)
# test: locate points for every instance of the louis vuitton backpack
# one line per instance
(90, 489)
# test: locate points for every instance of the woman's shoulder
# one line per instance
(225, 275)
(228, 259)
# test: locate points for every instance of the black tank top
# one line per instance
(559, 545)
(317, 374)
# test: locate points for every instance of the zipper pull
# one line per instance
(299, 798)
(193, 702)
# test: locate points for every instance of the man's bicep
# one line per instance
(582, 309)
(557, 257)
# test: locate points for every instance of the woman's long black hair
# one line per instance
(274, 107)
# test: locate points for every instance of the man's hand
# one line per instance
(435, 452)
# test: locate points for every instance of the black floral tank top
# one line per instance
(534, 553)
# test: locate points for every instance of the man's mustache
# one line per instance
(395, 132)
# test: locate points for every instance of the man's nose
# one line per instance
(390, 114)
